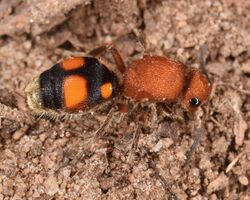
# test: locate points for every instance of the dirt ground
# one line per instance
(45, 159)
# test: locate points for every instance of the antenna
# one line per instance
(202, 59)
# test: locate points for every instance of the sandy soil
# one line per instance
(43, 159)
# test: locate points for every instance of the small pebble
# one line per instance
(27, 45)
(246, 67)
(51, 186)
(243, 180)
(158, 146)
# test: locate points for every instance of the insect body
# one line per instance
(82, 82)
(73, 84)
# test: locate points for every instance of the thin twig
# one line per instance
(134, 145)
(99, 133)
(194, 146)
(166, 184)
(234, 161)
(218, 124)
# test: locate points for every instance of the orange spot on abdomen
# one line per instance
(75, 92)
(106, 90)
(73, 63)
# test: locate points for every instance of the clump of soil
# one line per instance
(43, 159)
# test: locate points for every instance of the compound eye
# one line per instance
(195, 102)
